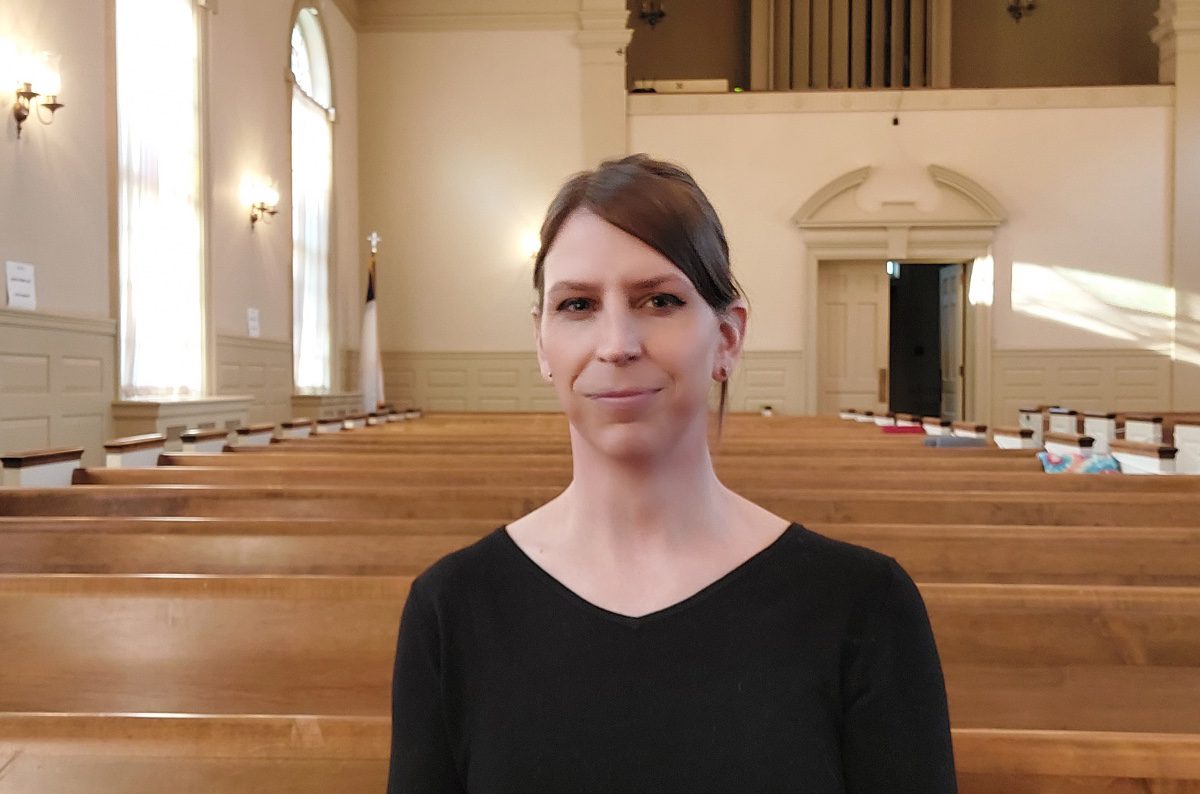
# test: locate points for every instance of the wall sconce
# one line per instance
(1018, 9)
(262, 198)
(651, 12)
(37, 76)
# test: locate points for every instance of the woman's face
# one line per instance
(632, 347)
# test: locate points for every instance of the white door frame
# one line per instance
(959, 228)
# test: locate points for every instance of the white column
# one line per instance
(602, 39)
(1178, 39)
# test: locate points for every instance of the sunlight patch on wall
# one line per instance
(982, 289)
(1111, 306)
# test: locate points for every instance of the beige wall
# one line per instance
(1086, 191)
(249, 136)
(348, 245)
(465, 137)
(53, 181)
(1063, 42)
(249, 126)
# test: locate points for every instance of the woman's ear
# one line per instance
(543, 365)
(733, 335)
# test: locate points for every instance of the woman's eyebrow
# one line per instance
(640, 284)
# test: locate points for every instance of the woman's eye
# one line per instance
(574, 305)
(664, 300)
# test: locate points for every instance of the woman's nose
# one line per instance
(620, 338)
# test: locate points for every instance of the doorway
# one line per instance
(890, 337)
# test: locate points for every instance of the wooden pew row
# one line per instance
(1051, 659)
(811, 506)
(734, 477)
(519, 447)
(1163, 556)
(454, 461)
(242, 754)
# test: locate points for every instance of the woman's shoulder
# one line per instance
(840, 566)
(465, 567)
(840, 556)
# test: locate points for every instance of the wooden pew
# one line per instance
(930, 553)
(1016, 727)
(735, 477)
(813, 506)
(318, 652)
(949, 461)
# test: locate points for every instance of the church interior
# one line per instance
(266, 351)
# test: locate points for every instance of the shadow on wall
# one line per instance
(1114, 307)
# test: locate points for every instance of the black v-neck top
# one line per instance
(810, 667)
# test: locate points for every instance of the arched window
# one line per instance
(312, 182)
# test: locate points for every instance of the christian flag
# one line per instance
(370, 362)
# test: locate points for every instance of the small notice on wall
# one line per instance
(22, 293)
(252, 322)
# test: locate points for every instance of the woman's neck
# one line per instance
(644, 505)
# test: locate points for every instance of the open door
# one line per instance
(951, 287)
(852, 334)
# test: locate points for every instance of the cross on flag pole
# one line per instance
(370, 360)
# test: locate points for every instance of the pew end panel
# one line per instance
(1144, 458)
(134, 451)
(1069, 443)
(1015, 438)
(1187, 441)
(258, 435)
(296, 428)
(1104, 428)
(41, 468)
(205, 441)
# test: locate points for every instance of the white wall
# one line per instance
(53, 181)
(465, 138)
(249, 104)
(348, 245)
(250, 136)
(1085, 189)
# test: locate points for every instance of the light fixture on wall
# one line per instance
(262, 198)
(1021, 8)
(38, 80)
(651, 12)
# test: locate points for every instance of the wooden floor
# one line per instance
(227, 622)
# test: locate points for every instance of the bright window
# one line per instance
(312, 181)
(158, 201)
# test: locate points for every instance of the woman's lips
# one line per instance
(624, 397)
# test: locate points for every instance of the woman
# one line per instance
(649, 629)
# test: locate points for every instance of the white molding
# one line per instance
(458, 15)
(261, 368)
(1110, 379)
(511, 381)
(758, 102)
(959, 229)
(440, 23)
(252, 343)
(769, 377)
(56, 381)
(136, 417)
(57, 322)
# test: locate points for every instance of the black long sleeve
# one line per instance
(421, 757)
(809, 668)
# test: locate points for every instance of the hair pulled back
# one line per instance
(660, 204)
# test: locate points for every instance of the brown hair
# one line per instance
(660, 204)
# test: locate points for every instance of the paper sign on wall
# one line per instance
(22, 293)
(252, 322)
